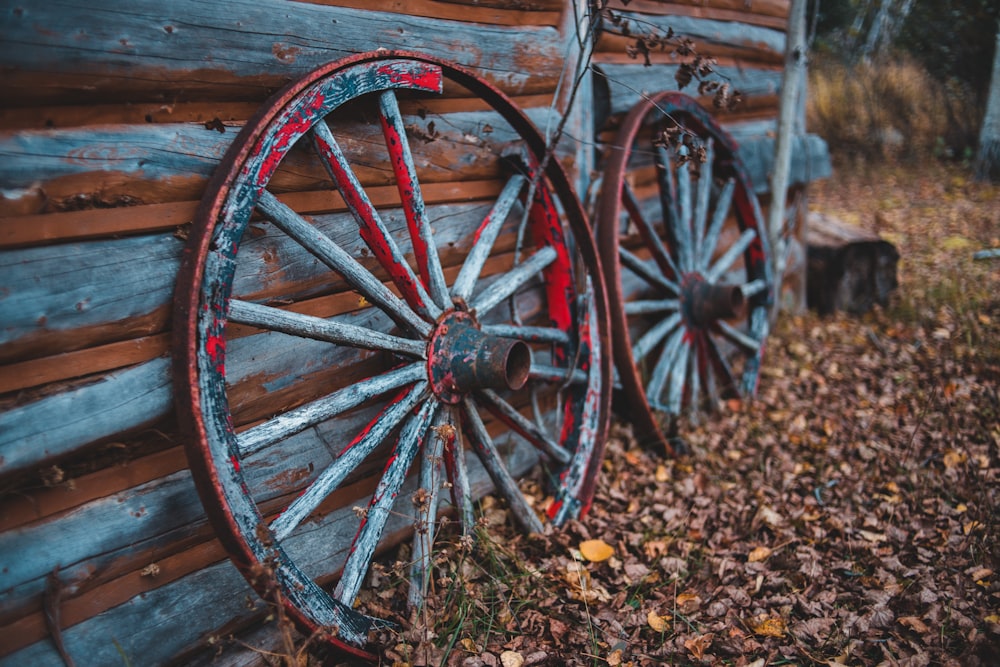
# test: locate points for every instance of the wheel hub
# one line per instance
(462, 358)
(704, 302)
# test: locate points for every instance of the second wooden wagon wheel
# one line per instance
(684, 248)
(407, 337)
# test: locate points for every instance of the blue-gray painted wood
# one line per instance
(707, 32)
(627, 83)
(161, 50)
(154, 627)
(42, 431)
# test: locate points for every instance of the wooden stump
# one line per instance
(849, 268)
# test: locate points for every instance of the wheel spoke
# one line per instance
(653, 336)
(668, 191)
(701, 204)
(528, 334)
(731, 255)
(410, 441)
(339, 260)
(458, 475)
(373, 230)
(678, 372)
(294, 421)
(484, 447)
(317, 328)
(576, 485)
(527, 428)
(722, 369)
(749, 343)
(644, 307)
(643, 270)
(349, 459)
(694, 375)
(485, 237)
(753, 288)
(719, 216)
(650, 238)
(685, 250)
(511, 281)
(664, 366)
(547, 373)
(425, 503)
(410, 194)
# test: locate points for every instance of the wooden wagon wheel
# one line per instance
(425, 350)
(684, 248)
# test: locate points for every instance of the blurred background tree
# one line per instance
(912, 77)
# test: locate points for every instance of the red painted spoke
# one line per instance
(331, 254)
(412, 437)
(377, 430)
(297, 420)
(485, 237)
(317, 328)
(511, 281)
(403, 167)
(731, 255)
(719, 216)
(372, 229)
(650, 238)
(484, 447)
(425, 503)
(653, 336)
(458, 475)
(527, 428)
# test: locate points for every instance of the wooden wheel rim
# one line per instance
(203, 306)
(686, 348)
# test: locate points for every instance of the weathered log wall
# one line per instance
(114, 115)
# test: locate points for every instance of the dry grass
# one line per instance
(892, 110)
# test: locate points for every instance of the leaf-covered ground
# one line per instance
(848, 516)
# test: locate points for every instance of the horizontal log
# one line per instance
(769, 13)
(241, 50)
(47, 429)
(718, 39)
(118, 165)
(161, 621)
(810, 160)
(509, 13)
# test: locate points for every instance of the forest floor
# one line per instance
(847, 516)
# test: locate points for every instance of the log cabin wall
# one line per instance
(747, 39)
(112, 118)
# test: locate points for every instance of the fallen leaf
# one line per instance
(596, 550)
(768, 627)
(511, 659)
(697, 645)
(872, 537)
(657, 622)
(759, 554)
(913, 623)
(614, 658)
(688, 602)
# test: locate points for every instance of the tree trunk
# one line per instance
(988, 157)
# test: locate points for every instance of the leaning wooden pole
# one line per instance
(794, 74)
